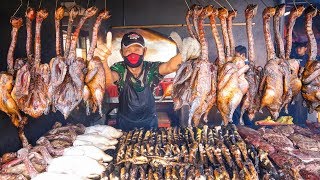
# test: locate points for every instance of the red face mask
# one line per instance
(133, 60)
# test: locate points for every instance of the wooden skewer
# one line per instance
(166, 26)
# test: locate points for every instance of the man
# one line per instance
(301, 53)
(241, 51)
(136, 77)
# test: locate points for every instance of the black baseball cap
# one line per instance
(131, 38)
(302, 44)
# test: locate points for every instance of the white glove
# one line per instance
(189, 47)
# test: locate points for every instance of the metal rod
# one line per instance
(166, 26)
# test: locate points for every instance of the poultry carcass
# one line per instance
(285, 66)
(31, 86)
(181, 89)
(310, 77)
(232, 85)
(295, 83)
(95, 80)
(7, 102)
(68, 73)
(271, 85)
(203, 74)
(251, 101)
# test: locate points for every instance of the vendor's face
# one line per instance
(301, 51)
(242, 56)
(135, 48)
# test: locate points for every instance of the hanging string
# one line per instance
(40, 4)
(56, 4)
(219, 4)
(187, 4)
(264, 3)
(312, 6)
(17, 9)
(294, 3)
(105, 5)
(230, 6)
(88, 3)
(28, 4)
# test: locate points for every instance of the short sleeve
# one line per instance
(120, 68)
(153, 75)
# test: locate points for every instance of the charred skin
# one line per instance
(72, 15)
(231, 16)
(310, 77)
(59, 13)
(223, 15)
(16, 23)
(30, 16)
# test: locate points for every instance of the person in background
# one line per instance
(241, 51)
(301, 53)
(136, 77)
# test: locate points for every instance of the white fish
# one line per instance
(103, 147)
(89, 151)
(82, 166)
(104, 130)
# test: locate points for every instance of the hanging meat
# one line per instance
(30, 16)
(251, 101)
(271, 86)
(232, 85)
(57, 65)
(295, 83)
(285, 66)
(68, 73)
(7, 103)
(311, 74)
(95, 79)
(181, 91)
(204, 89)
(31, 86)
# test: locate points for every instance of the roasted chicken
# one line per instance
(311, 74)
(95, 79)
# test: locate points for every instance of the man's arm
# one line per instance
(171, 66)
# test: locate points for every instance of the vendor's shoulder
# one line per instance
(118, 65)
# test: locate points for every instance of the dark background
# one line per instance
(124, 12)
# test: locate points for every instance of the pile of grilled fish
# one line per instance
(189, 153)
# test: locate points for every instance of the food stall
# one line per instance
(225, 114)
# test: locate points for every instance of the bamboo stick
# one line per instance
(166, 26)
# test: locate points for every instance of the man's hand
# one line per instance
(103, 51)
(189, 47)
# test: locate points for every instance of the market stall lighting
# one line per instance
(286, 13)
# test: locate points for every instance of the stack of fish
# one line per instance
(190, 153)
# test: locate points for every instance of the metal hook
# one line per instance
(56, 4)
(28, 4)
(187, 4)
(40, 4)
(17, 9)
(230, 6)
